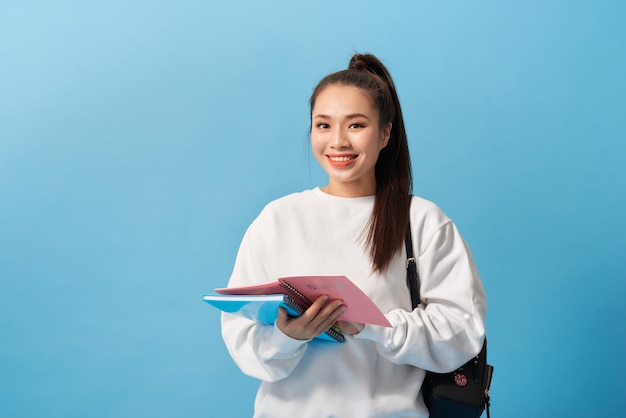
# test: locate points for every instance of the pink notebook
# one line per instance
(305, 289)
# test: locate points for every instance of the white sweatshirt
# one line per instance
(378, 372)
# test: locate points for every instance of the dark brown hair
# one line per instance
(387, 226)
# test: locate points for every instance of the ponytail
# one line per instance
(390, 216)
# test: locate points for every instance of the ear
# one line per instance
(385, 135)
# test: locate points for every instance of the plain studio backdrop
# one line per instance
(138, 140)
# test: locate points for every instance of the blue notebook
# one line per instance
(264, 309)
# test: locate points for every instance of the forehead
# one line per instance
(338, 99)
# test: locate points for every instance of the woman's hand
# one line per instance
(350, 328)
(320, 317)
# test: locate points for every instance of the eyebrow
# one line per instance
(351, 116)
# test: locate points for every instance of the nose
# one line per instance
(339, 140)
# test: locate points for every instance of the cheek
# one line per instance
(316, 143)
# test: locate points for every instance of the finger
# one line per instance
(319, 317)
(282, 313)
(311, 314)
(332, 311)
(316, 306)
(328, 319)
(282, 318)
(350, 328)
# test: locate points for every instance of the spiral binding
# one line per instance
(287, 300)
(293, 292)
(336, 335)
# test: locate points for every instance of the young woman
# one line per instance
(355, 225)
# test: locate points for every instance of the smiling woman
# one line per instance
(355, 226)
(346, 138)
(373, 91)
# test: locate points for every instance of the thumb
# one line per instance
(282, 317)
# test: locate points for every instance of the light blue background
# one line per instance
(139, 139)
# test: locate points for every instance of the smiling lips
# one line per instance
(341, 160)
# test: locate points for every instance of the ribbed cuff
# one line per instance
(379, 335)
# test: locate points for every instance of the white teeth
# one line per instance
(340, 159)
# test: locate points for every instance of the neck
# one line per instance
(349, 190)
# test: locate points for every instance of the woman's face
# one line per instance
(346, 139)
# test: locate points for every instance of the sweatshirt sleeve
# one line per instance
(447, 329)
(261, 351)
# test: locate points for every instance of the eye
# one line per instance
(322, 125)
(356, 125)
